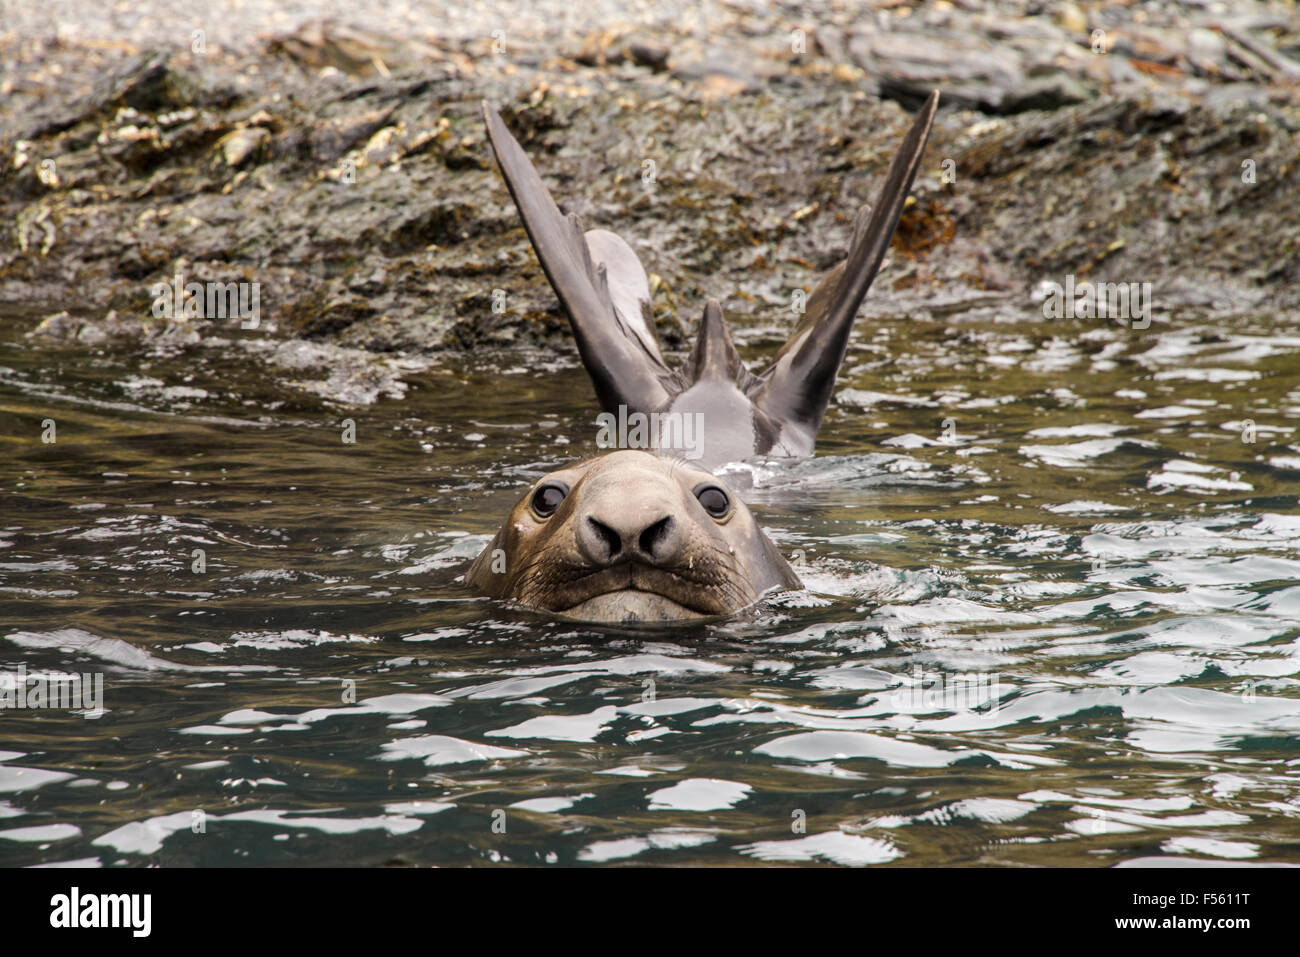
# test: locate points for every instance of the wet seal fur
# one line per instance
(632, 536)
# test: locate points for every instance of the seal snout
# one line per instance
(644, 533)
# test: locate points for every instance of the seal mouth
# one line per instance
(643, 590)
(632, 606)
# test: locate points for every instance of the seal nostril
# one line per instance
(654, 535)
(613, 541)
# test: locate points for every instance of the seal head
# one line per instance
(631, 537)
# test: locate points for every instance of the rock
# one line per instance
(1230, 96)
(241, 145)
(1072, 19)
(356, 51)
(1045, 93)
(146, 83)
(61, 327)
(830, 43)
(330, 139)
(369, 210)
(601, 48)
(58, 326)
(648, 55)
(352, 376)
(972, 73)
(717, 76)
(1263, 58)
(1206, 49)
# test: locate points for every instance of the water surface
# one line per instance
(1052, 614)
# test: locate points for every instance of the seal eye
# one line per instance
(547, 499)
(715, 501)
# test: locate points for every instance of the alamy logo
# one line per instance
(932, 692)
(53, 689)
(681, 432)
(208, 300)
(74, 909)
(1129, 302)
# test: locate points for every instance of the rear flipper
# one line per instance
(604, 290)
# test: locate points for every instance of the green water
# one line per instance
(1055, 623)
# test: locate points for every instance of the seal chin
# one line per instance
(629, 606)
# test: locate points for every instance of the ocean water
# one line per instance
(1051, 615)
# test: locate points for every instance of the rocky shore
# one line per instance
(340, 164)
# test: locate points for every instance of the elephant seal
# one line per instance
(631, 536)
